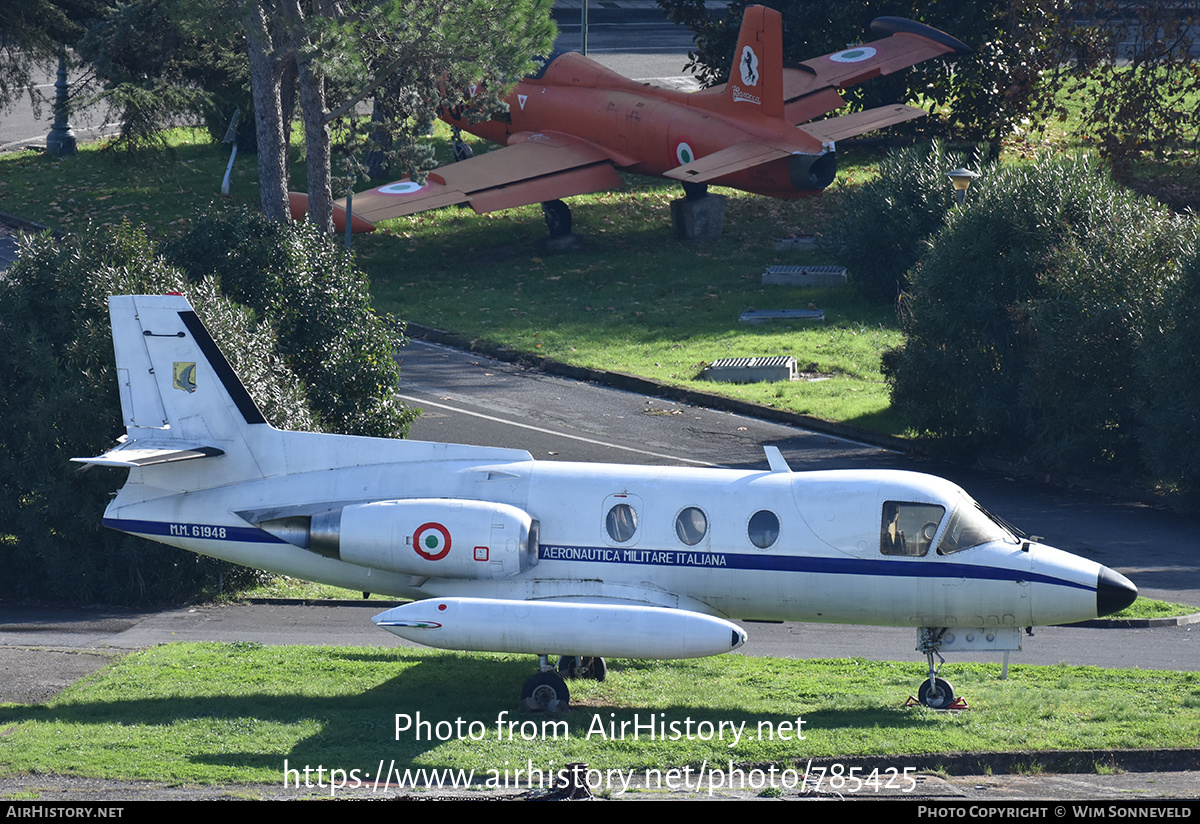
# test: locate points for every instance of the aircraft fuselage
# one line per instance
(823, 560)
(654, 130)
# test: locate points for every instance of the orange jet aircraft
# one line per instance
(574, 124)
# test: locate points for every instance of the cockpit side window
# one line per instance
(908, 528)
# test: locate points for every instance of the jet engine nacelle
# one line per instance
(432, 537)
(812, 173)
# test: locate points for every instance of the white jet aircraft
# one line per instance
(504, 553)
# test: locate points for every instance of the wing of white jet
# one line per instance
(503, 553)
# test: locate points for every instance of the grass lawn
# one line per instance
(634, 299)
(236, 712)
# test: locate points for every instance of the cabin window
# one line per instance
(908, 528)
(691, 525)
(764, 528)
(621, 523)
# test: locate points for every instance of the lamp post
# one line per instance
(61, 140)
(961, 178)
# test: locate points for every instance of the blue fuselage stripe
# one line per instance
(691, 559)
(916, 568)
(210, 532)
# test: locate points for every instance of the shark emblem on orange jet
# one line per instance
(572, 126)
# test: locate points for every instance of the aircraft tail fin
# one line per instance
(180, 398)
(756, 76)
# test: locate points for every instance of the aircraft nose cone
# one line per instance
(1114, 592)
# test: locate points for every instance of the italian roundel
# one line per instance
(855, 55)
(401, 187)
(432, 541)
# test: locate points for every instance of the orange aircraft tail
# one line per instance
(756, 77)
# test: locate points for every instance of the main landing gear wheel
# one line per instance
(571, 666)
(461, 150)
(558, 217)
(936, 693)
(545, 692)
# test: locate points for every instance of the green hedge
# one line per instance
(1029, 318)
(885, 224)
(58, 400)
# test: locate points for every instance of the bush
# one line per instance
(310, 291)
(886, 224)
(59, 400)
(1026, 324)
(1170, 420)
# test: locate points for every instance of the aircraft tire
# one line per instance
(546, 692)
(936, 698)
(558, 217)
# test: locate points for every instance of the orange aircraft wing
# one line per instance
(531, 169)
(811, 88)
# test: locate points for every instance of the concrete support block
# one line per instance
(699, 218)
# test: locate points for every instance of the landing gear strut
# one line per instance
(546, 691)
(461, 150)
(936, 693)
(572, 666)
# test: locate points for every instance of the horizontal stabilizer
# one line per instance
(143, 454)
(727, 161)
(833, 129)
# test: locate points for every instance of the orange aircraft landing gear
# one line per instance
(558, 218)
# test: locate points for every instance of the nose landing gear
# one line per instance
(936, 693)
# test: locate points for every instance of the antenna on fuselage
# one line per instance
(776, 460)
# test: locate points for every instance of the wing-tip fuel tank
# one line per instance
(593, 630)
(503, 553)
(572, 126)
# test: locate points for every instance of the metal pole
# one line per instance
(583, 28)
(61, 140)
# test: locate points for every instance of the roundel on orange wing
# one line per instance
(854, 55)
(401, 187)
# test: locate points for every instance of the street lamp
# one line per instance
(61, 140)
(961, 178)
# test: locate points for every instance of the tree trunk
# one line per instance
(265, 72)
(317, 142)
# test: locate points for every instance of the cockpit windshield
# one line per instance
(909, 528)
(971, 525)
